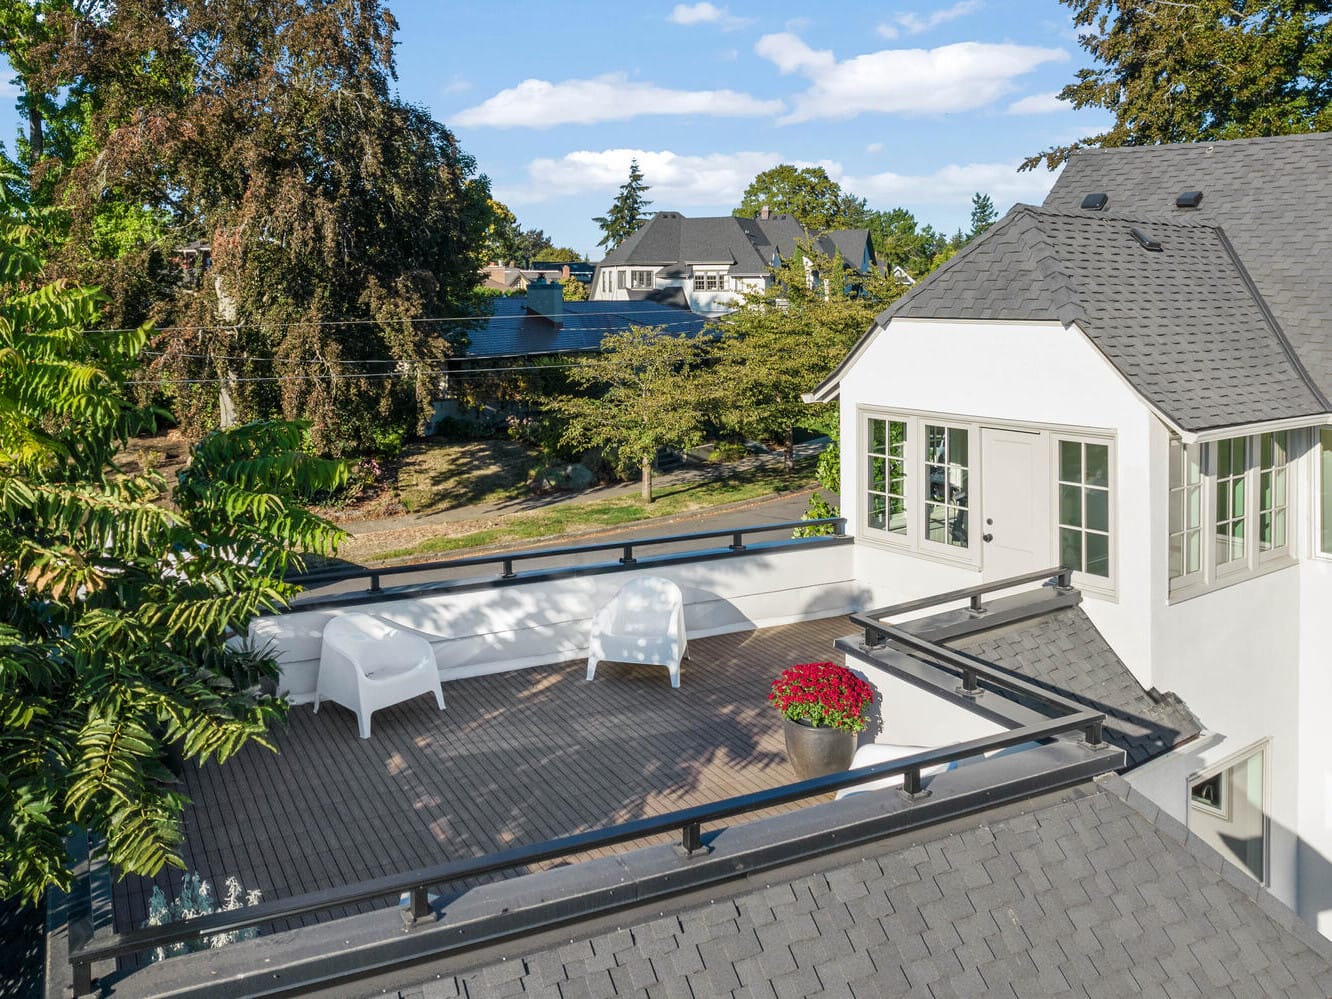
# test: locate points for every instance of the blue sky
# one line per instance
(906, 103)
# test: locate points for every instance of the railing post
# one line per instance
(969, 686)
(737, 545)
(82, 978)
(912, 789)
(1092, 734)
(1065, 579)
(374, 582)
(418, 907)
(628, 557)
(691, 838)
(875, 638)
(507, 567)
(976, 607)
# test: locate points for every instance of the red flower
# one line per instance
(822, 694)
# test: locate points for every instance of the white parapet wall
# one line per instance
(497, 628)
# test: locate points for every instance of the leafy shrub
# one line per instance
(818, 509)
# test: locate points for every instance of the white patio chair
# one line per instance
(644, 623)
(366, 664)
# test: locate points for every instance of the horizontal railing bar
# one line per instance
(319, 578)
(964, 664)
(137, 940)
(963, 594)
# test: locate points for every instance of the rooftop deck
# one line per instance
(516, 758)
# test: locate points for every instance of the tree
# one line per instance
(573, 290)
(337, 216)
(115, 605)
(1199, 71)
(786, 339)
(983, 214)
(643, 399)
(815, 199)
(897, 241)
(626, 212)
(560, 255)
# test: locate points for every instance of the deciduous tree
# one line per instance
(815, 199)
(639, 396)
(115, 606)
(1207, 69)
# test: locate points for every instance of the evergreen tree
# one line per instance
(1199, 71)
(983, 214)
(626, 213)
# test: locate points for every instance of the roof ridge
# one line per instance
(1201, 144)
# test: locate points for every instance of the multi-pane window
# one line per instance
(710, 281)
(1185, 510)
(946, 499)
(887, 508)
(605, 280)
(640, 279)
(620, 279)
(1272, 475)
(1231, 499)
(1084, 507)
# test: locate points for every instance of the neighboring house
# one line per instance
(716, 261)
(511, 279)
(1133, 380)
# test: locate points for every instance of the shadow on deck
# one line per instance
(516, 758)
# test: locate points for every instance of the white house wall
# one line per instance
(1314, 707)
(1009, 373)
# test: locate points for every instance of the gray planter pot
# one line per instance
(815, 752)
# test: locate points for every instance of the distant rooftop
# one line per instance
(512, 330)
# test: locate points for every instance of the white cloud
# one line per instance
(1039, 104)
(613, 97)
(677, 181)
(915, 24)
(956, 77)
(874, 147)
(456, 86)
(706, 13)
(887, 31)
(954, 184)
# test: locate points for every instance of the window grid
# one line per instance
(946, 505)
(710, 282)
(1084, 507)
(887, 476)
(1231, 501)
(1185, 510)
(1272, 491)
(640, 279)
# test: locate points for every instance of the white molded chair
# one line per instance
(644, 623)
(366, 664)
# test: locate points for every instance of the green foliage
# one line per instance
(115, 604)
(560, 255)
(1210, 69)
(627, 212)
(815, 199)
(983, 214)
(574, 290)
(787, 339)
(645, 398)
(507, 241)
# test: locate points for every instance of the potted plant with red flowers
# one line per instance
(823, 707)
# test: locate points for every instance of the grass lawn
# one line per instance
(574, 517)
(435, 476)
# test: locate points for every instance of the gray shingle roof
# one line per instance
(746, 246)
(1094, 893)
(1063, 651)
(512, 331)
(1182, 324)
(1270, 195)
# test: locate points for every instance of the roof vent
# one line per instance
(1189, 199)
(1147, 242)
(1094, 202)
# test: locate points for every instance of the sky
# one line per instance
(910, 104)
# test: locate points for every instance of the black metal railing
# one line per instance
(631, 553)
(687, 823)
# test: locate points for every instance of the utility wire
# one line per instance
(336, 376)
(518, 317)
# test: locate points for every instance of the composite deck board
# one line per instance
(514, 759)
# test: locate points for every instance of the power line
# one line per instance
(335, 376)
(517, 317)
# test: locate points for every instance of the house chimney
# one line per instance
(765, 213)
(545, 299)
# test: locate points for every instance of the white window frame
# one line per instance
(641, 279)
(1321, 522)
(915, 539)
(1255, 561)
(1108, 583)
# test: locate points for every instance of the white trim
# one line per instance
(1264, 746)
(1250, 429)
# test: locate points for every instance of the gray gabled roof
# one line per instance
(1270, 195)
(746, 246)
(513, 331)
(1093, 892)
(1231, 323)
(1183, 323)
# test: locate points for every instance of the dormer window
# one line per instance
(640, 279)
